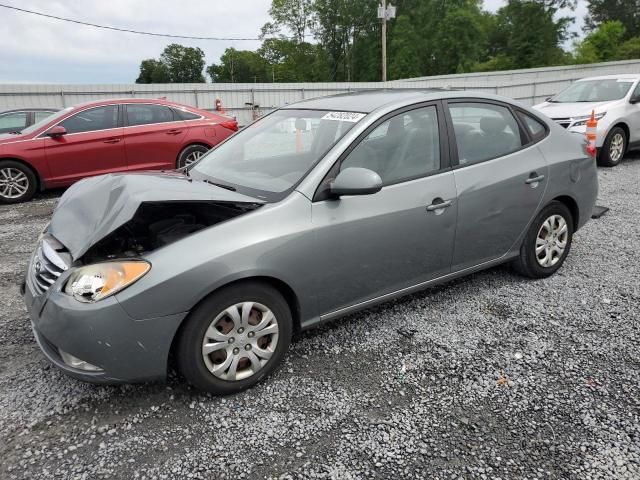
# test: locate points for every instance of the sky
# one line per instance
(41, 50)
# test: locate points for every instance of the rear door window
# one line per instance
(484, 131)
(141, 114)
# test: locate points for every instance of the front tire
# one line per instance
(547, 242)
(235, 338)
(613, 148)
(190, 154)
(17, 182)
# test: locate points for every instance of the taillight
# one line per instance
(230, 125)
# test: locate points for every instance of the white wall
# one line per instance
(528, 86)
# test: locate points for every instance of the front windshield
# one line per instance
(594, 91)
(45, 120)
(273, 154)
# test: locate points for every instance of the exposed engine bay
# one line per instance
(156, 224)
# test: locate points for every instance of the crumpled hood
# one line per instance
(94, 207)
(568, 110)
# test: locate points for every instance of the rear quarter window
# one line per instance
(537, 130)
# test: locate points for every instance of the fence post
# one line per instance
(62, 97)
(302, 93)
(195, 96)
(533, 98)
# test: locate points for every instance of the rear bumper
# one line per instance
(126, 350)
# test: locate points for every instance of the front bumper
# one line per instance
(126, 350)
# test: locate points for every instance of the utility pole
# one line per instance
(385, 13)
(384, 40)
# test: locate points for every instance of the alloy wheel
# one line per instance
(240, 341)
(616, 147)
(13, 183)
(551, 241)
(193, 157)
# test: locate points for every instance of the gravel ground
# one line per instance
(491, 376)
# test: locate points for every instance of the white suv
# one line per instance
(616, 102)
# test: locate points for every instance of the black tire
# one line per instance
(186, 155)
(189, 351)
(20, 177)
(527, 263)
(608, 156)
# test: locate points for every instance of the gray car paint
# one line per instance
(329, 257)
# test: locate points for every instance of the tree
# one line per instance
(239, 66)
(153, 71)
(527, 34)
(629, 50)
(295, 15)
(625, 11)
(184, 64)
(177, 64)
(601, 45)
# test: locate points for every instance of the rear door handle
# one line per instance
(174, 132)
(112, 140)
(531, 180)
(438, 204)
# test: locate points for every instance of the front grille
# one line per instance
(49, 261)
(563, 122)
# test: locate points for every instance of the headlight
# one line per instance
(98, 281)
(579, 121)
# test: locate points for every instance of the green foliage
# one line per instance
(602, 44)
(629, 50)
(340, 40)
(153, 71)
(177, 64)
(239, 66)
(625, 11)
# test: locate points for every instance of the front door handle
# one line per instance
(438, 204)
(112, 140)
(532, 179)
(174, 132)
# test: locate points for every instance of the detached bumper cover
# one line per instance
(125, 349)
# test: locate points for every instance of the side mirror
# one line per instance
(548, 99)
(57, 131)
(355, 181)
(634, 99)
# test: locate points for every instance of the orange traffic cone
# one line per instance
(592, 125)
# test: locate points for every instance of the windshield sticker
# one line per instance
(344, 116)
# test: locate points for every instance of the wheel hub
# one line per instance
(240, 341)
(551, 241)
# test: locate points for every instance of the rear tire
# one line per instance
(191, 154)
(613, 148)
(235, 338)
(18, 183)
(547, 242)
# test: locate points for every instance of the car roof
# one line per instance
(367, 101)
(622, 76)
(30, 109)
(158, 101)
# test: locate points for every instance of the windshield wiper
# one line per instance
(221, 185)
(17, 132)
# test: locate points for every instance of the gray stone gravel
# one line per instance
(495, 377)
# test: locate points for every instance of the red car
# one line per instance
(103, 137)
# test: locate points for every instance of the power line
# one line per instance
(126, 30)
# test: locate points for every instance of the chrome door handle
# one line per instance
(531, 180)
(438, 206)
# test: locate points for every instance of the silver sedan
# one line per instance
(317, 210)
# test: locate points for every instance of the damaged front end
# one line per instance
(157, 224)
(124, 216)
